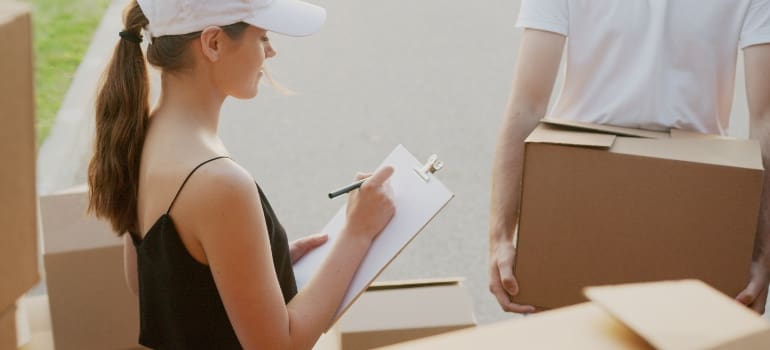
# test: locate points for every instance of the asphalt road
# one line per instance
(431, 75)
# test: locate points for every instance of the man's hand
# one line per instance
(757, 71)
(502, 283)
(536, 69)
(755, 294)
(302, 246)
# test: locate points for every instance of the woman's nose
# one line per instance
(269, 51)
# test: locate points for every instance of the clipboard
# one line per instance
(418, 197)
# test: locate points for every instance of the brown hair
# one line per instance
(122, 115)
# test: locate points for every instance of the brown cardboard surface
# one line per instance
(18, 253)
(680, 314)
(67, 227)
(583, 326)
(593, 217)
(390, 315)
(661, 315)
(8, 328)
(91, 306)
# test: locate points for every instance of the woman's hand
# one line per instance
(370, 207)
(302, 246)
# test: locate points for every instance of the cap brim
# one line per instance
(289, 17)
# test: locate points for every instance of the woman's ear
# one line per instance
(211, 43)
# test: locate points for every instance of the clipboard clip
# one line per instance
(431, 166)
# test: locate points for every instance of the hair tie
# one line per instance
(130, 36)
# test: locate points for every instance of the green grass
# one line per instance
(62, 33)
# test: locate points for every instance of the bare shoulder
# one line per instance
(219, 194)
(220, 184)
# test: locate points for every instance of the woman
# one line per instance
(206, 254)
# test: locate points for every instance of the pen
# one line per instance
(346, 189)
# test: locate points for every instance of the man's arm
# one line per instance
(536, 69)
(757, 67)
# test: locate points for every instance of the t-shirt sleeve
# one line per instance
(548, 15)
(756, 25)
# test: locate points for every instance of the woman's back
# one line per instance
(179, 301)
(180, 306)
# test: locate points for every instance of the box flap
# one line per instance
(686, 134)
(684, 314)
(545, 133)
(10, 10)
(82, 188)
(410, 308)
(607, 129)
(706, 150)
(67, 227)
(416, 283)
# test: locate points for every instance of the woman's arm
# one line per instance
(228, 221)
(129, 264)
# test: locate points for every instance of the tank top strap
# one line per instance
(188, 178)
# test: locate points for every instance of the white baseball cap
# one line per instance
(175, 17)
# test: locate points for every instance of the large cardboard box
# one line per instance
(91, 305)
(8, 328)
(18, 211)
(664, 315)
(606, 205)
(394, 312)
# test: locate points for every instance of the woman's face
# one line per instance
(240, 67)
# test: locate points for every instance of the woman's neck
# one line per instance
(193, 102)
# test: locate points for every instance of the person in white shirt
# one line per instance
(651, 64)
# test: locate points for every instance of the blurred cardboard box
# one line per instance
(398, 311)
(663, 315)
(8, 328)
(18, 210)
(91, 305)
(606, 205)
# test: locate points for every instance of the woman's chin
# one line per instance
(245, 95)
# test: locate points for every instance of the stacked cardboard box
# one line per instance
(8, 328)
(394, 312)
(605, 205)
(662, 315)
(91, 305)
(18, 252)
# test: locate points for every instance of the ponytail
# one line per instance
(122, 112)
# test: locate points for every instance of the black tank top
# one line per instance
(179, 305)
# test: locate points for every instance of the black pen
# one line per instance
(346, 189)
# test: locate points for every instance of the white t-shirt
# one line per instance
(652, 64)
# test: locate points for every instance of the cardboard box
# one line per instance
(91, 305)
(605, 205)
(8, 328)
(664, 315)
(18, 211)
(393, 312)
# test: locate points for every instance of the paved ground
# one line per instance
(432, 75)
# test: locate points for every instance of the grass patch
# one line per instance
(62, 33)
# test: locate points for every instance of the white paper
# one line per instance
(416, 202)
